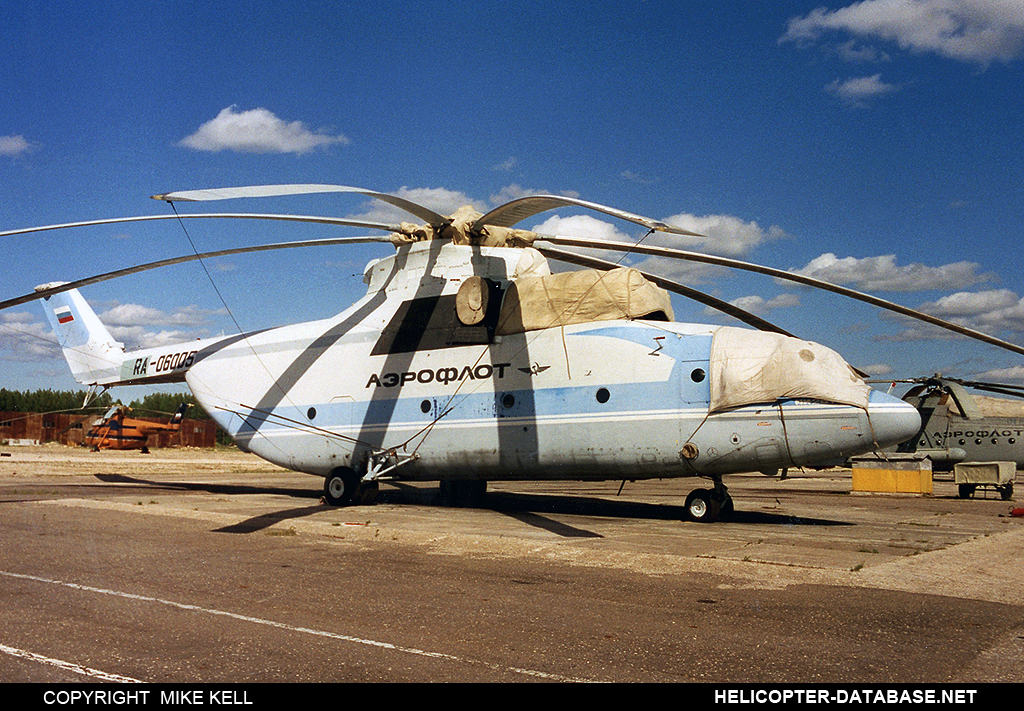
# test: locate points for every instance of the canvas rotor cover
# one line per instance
(460, 231)
(536, 302)
(992, 407)
(749, 367)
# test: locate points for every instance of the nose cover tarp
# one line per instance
(749, 367)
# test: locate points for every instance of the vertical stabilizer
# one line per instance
(92, 353)
(179, 415)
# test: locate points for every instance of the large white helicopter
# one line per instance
(467, 361)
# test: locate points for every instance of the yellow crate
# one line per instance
(892, 476)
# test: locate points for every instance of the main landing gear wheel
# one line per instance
(340, 487)
(708, 505)
(702, 506)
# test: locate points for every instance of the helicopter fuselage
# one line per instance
(948, 438)
(466, 364)
(397, 385)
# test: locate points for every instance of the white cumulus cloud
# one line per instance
(13, 146)
(506, 165)
(996, 312)
(968, 303)
(508, 193)
(26, 338)
(723, 235)
(993, 311)
(883, 274)
(138, 326)
(581, 226)
(860, 90)
(972, 31)
(257, 131)
(876, 369)
(1013, 374)
(758, 305)
(440, 200)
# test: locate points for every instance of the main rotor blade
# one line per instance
(942, 381)
(1001, 388)
(787, 276)
(1012, 391)
(258, 191)
(698, 296)
(518, 210)
(68, 286)
(228, 215)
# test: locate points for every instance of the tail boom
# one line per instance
(95, 358)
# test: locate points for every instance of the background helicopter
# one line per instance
(960, 426)
(468, 361)
(115, 430)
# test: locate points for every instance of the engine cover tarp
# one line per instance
(534, 303)
(749, 367)
(992, 407)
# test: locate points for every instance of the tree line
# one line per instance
(154, 404)
(48, 400)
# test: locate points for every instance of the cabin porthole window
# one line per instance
(508, 401)
(311, 413)
(698, 375)
(425, 406)
(603, 395)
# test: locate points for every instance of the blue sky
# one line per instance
(876, 144)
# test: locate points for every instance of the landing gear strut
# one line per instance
(709, 505)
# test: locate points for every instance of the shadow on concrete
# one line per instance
(149, 485)
(528, 508)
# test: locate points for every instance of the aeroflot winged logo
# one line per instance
(535, 369)
(63, 315)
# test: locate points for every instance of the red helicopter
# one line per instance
(116, 431)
